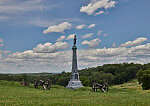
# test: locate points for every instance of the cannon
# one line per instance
(44, 84)
(102, 87)
(25, 84)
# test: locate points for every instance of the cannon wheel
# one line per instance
(105, 87)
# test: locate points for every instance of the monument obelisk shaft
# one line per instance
(75, 75)
(74, 80)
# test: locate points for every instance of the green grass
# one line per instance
(130, 94)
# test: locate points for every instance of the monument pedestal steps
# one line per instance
(74, 84)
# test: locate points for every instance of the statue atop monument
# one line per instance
(74, 79)
(75, 40)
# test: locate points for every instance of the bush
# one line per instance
(144, 78)
(85, 81)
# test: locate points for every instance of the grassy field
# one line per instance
(130, 94)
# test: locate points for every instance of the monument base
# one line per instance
(74, 84)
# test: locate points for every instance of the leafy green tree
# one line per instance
(85, 81)
(144, 78)
(24, 77)
(108, 73)
(63, 81)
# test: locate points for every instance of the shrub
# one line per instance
(144, 78)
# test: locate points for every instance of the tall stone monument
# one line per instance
(74, 79)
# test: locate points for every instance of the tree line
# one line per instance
(109, 73)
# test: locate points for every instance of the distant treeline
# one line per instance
(108, 73)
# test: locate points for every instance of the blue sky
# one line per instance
(36, 35)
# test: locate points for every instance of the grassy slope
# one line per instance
(131, 94)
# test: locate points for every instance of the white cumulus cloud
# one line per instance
(92, 43)
(70, 37)
(50, 48)
(58, 28)
(98, 13)
(60, 38)
(91, 25)
(59, 61)
(97, 4)
(134, 43)
(99, 32)
(106, 34)
(114, 45)
(87, 35)
(80, 26)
